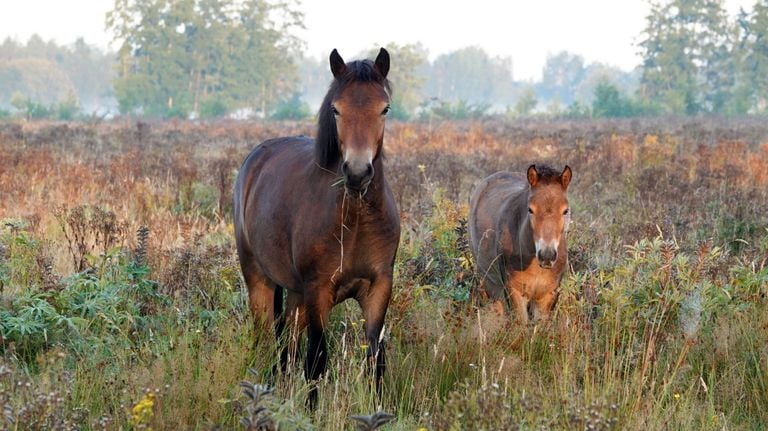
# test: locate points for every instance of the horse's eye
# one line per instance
(385, 111)
(334, 110)
(530, 210)
(567, 211)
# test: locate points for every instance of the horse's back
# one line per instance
(257, 163)
(489, 203)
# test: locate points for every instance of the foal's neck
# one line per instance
(524, 246)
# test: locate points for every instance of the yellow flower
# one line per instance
(142, 411)
(465, 263)
(677, 396)
(422, 168)
(364, 346)
(651, 140)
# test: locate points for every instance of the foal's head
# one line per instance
(356, 106)
(548, 210)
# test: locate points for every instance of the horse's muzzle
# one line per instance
(357, 178)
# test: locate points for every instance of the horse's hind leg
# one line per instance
(261, 297)
(295, 320)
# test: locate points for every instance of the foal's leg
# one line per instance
(519, 303)
(374, 306)
(318, 302)
(543, 305)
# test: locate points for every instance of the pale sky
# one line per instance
(528, 31)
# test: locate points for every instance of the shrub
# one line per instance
(213, 108)
(292, 108)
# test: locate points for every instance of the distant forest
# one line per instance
(216, 58)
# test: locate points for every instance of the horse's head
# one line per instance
(548, 210)
(358, 103)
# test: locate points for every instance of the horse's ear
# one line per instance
(533, 176)
(338, 67)
(382, 62)
(565, 177)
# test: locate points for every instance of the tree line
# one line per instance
(43, 79)
(211, 58)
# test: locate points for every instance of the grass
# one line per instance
(122, 307)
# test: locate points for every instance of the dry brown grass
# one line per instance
(696, 184)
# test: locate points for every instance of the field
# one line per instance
(122, 306)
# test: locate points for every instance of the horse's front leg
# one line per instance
(318, 300)
(374, 305)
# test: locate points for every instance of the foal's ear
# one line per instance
(533, 176)
(565, 177)
(382, 62)
(338, 67)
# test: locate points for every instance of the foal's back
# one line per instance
(495, 197)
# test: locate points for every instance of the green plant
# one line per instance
(213, 108)
(292, 108)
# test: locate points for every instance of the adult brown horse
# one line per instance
(517, 232)
(297, 229)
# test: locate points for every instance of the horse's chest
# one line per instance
(534, 281)
(361, 251)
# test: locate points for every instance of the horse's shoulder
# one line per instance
(276, 146)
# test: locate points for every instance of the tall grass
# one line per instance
(661, 323)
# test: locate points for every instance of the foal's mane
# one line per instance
(547, 175)
(327, 151)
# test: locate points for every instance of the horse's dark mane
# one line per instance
(547, 174)
(327, 151)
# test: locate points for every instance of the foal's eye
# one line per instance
(334, 110)
(386, 110)
(567, 211)
(530, 210)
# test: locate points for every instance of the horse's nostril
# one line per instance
(345, 168)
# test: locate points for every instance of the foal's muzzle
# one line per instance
(546, 257)
(358, 176)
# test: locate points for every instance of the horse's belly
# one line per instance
(535, 281)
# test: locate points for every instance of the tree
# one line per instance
(48, 74)
(407, 75)
(471, 75)
(177, 55)
(608, 102)
(526, 103)
(597, 73)
(685, 54)
(561, 76)
(752, 69)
